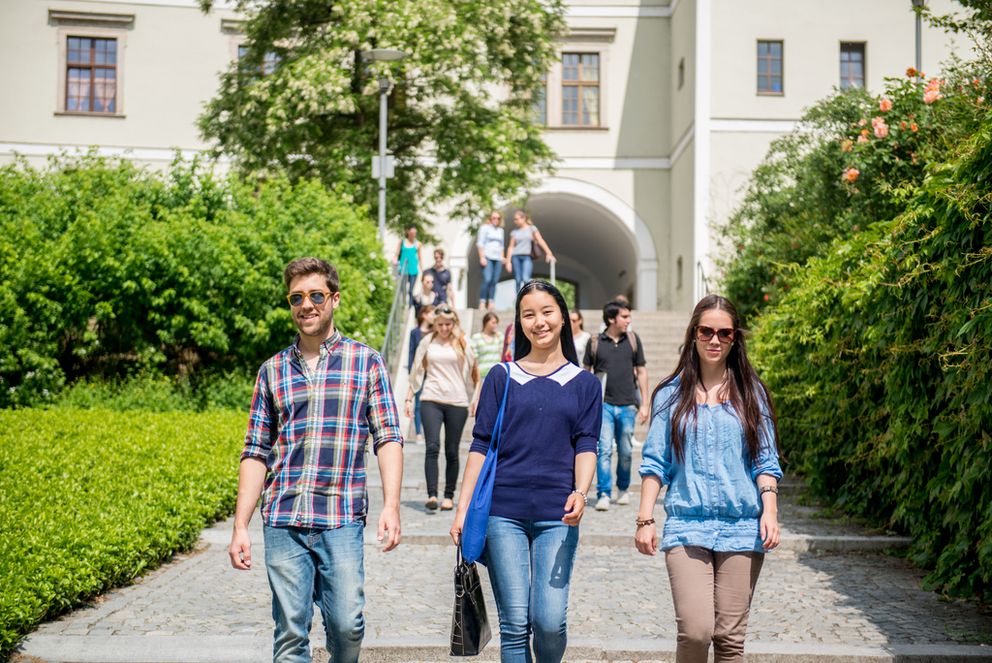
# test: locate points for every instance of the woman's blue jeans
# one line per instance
(490, 277)
(523, 269)
(530, 566)
(322, 566)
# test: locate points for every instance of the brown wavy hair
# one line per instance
(746, 390)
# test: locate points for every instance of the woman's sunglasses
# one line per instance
(704, 333)
(316, 297)
(443, 310)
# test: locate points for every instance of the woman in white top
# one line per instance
(491, 258)
(579, 334)
(446, 373)
(519, 261)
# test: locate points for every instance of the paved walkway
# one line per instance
(828, 595)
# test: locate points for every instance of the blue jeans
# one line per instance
(418, 424)
(322, 566)
(490, 277)
(618, 426)
(530, 566)
(411, 284)
(523, 269)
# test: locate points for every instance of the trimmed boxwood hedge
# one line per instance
(92, 499)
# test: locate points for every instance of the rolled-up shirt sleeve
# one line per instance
(590, 421)
(487, 410)
(767, 461)
(262, 428)
(383, 419)
(656, 456)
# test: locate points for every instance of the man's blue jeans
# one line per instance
(322, 566)
(490, 278)
(618, 426)
(523, 269)
(530, 566)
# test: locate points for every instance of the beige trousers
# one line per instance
(712, 595)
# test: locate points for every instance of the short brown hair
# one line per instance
(438, 249)
(307, 266)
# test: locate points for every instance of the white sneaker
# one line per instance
(624, 498)
(603, 503)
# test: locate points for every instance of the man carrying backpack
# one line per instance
(617, 357)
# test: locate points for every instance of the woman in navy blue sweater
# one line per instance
(545, 464)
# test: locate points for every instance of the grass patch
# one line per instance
(91, 499)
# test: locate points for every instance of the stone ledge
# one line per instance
(254, 649)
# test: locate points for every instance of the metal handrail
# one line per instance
(393, 341)
(702, 283)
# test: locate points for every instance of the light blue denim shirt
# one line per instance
(712, 499)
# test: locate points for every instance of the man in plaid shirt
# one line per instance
(315, 404)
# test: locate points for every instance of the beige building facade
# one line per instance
(658, 111)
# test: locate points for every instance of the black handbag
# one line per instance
(469, 623)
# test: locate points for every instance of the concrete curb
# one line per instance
(255, 649)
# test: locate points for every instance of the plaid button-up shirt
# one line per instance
(311, 428)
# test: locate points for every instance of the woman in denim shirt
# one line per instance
(713, 442)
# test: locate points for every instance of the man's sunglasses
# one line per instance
(704, 333)
(316, 297)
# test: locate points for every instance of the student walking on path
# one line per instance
(488, 344)
(713, 442)
(491, 243)
(442, 278)
(407, 259)
(579, 334)
(617, 357)
(425, 322)
(308, 466)
(546, 460)
(526, 244)
(446, 373)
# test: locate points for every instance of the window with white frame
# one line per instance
(91, 62)
(574, 94)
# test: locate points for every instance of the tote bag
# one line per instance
(473, 536)
(469, 621)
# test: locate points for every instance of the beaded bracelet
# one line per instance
(644, 523)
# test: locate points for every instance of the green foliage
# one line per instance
(853, 159)
(462, 95)
(94, 499)
(880, 357)
(107, 270)
(153, 392)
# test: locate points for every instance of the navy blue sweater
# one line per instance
(548, 420)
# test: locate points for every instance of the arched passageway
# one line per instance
(601, 245)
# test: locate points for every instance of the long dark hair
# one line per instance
(746, 390)
(521, 344)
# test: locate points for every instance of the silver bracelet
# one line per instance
(576, 490)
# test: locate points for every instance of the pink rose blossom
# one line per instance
(862, 122)
(862, 138)
(880, 127)
(931, 92)
(885, 105)
(851, 175)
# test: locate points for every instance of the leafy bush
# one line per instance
(880, 357)
(853, 160)
(107, 270)
(93, 499)
(153, 392)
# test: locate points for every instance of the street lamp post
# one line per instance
(383, 55)
(917, 6)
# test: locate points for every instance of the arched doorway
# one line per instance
(602, 246)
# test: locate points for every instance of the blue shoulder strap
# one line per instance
(494, 442)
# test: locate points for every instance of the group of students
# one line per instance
(712, 442)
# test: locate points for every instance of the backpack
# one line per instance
(594, 345)
(536, 252)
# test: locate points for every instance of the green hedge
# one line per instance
(93, 499)
(880, 357)
(107, 270)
